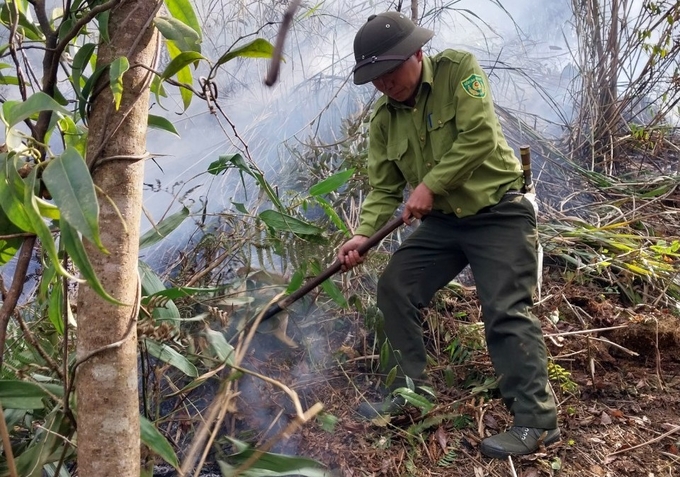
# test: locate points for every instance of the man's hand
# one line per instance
(418, 204)
(348, 255)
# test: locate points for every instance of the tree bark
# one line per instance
(106, 379)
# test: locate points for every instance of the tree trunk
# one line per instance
(106, 382)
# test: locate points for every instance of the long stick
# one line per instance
(372, 241)
(7, 445)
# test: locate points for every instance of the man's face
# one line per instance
(401, 84)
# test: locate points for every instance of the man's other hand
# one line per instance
(348, 255)
(418, 204)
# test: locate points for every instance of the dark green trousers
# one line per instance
(500, 244)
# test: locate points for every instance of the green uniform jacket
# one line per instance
(451, 140)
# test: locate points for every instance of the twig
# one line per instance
(220, 402)
(512, 466)
(54, 366)
(284, 434)
(583, 332)
(622, 348)
(218, 408)
(273, 72)
(7, 445)
(658, 354)
(291, 394)
(12, 297)
(363, 358)
(656, 439)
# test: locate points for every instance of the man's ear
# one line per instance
(419, 55)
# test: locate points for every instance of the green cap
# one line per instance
(384, 42)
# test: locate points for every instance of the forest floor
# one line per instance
(618, 391)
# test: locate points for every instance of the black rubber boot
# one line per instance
(518, 441)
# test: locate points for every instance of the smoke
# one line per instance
(512, 39)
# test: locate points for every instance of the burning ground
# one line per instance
(618, 392)
(614, 368)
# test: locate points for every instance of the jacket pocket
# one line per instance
(441, 128)
(397, 150)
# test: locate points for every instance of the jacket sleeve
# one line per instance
(386, 181)
(475, 127)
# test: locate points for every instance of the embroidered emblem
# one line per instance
(474, 86)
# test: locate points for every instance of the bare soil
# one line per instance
(615, 373)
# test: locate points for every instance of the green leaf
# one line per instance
(155, 441)
(157, 88)
(415, 399)
(24, 403)
(229, 161)
(48, 278)
(331, 183)
(12, 194)
(181, 61)
(118, 68)
(391, 376)
(180, 292)
(48, 209)
(69, 181)
(9, 80)
(8, 249)
(66, 26)
(258, 48)
(333, 215)
(270, 464)
(163, 229)
(46, 446)
(285, 223)
(74, 136)
(25, 27)
(41, 229)
(180, 66)
(295, 281)
(184, 37)
(16, 111)
(224, 352)
(384, 354)
(159, 122)
(8, 246)
(183, 11)
(14, 391)
(329, 287)
(74, 247)
(55, 308)
(240, 207)
(103, 25)
(87, 90)
(151, 285)
(172, 357)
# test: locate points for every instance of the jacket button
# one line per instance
(429, 164)
(422, 138)
(458, 210)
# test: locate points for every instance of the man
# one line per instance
(436, 130)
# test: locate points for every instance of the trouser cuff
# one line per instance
(539, 422)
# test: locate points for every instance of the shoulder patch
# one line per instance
(474, 86)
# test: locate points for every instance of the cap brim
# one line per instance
(372, 71)
(407, 47)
